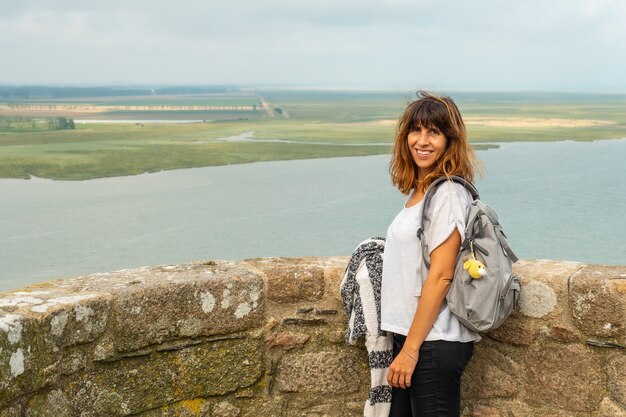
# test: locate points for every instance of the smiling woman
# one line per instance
(431, 347)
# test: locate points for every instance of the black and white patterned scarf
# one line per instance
(360, 293)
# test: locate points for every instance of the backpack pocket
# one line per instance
(510, 295)
(472, 300)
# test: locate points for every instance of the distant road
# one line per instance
(267, 107)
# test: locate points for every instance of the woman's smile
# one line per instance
(423, 154)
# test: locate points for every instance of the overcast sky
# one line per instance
(556, 45)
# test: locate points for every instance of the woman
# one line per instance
(431, 347)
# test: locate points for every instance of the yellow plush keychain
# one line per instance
(475, 268)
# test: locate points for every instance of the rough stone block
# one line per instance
(23, 356)
(598, 301)
(616, 372)
(13, 343)
(138, 384)
(43, 327)
(544, 287)
(320, 372)
(287, 340)
(564, 375)
(76, 320)
(517, 330)
(222, 303)
(490, 374)
(291, 280)
(334, 269)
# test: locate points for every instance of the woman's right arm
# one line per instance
(434, 291)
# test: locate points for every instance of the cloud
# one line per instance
(481, 43)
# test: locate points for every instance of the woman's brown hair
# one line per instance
(430, 111)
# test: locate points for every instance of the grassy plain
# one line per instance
(313, 124)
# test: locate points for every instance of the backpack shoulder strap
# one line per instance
(431, 192)
(468, 186)
(429, 195)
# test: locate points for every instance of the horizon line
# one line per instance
(322, 87)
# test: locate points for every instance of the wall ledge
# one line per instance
(264, 337)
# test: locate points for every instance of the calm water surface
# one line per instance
(557, 200)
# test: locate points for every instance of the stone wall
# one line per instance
(264, 337)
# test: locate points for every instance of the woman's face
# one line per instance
(427, 145)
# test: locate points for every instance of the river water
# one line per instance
(556, 200)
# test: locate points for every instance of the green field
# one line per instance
(320, 124)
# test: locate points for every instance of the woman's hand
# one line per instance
(401, 369)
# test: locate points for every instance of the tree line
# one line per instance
(28, 123)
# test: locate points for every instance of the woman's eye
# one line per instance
(433, 132)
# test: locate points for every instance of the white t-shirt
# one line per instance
(403, 269)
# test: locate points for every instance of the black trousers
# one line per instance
(435, 389)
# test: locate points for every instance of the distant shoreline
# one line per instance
(477, 146)
(287, 125)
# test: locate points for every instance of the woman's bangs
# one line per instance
(429, 114)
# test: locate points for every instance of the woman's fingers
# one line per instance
(400, 372)
(400, 380)
(404, 380)
(407, 381)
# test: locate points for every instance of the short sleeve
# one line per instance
(447, 211)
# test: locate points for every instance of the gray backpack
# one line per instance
(481, 304)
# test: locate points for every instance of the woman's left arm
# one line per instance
(434, 291)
